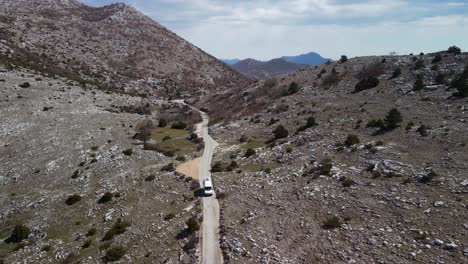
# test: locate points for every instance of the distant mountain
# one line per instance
(230, 61)
(311, 58)
(264, 70)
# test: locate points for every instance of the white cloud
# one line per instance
(265, 29)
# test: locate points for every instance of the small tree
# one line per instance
(366, 83)
(419, 83)
(179, 125)
(107, 197)
(192, 225)
(293, 88)
(393, 119)
(396, 73)
(454, 50)
(162, 122)
(249, 153)
(437, 58)
(352, 140)
(419, 64)
(310, 123)
(440, 78)
(144, 130)
(344, 58)
(461, 83)
(218, 167)
(20, 232)
(73, 199)
(280, 132)
(115, 253)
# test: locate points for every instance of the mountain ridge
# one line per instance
(265, 70)
(100, 44)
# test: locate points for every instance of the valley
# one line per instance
(110, 123)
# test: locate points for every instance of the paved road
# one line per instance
(211, 251)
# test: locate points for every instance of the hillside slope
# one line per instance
(114, 45)
(265, 70)
(339, 184)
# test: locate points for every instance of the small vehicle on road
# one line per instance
(207, 187)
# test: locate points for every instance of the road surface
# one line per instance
(211, 251)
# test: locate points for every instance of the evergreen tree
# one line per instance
(393, 118)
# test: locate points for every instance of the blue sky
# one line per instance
(265, 29)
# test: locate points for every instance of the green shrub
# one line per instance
(366, 83)
(218, 167)
(410, 125)
(162, 122)
(280, 132)
(309, 123)
(46, 248)
(454, 50)
(352, 140)
(419, 83)
(393, 119)
(331, 222)
(325, 167)
(293, 88)
(179, 125)
(347, 182)
(19, 233)
(379, 123)
(25, 85)
(169, 216)
(440, 78)
(73, 199)
(150, 178)
(437, 58)
(87, 243)
(461, 83)
(115, 253)
(117, 229)
(107, 197)
(192, 225)
(232, 166)
(428, 177)
(422, 130)
(396, 73)
(91, 232)
(181, 158)
(169, 167)
(128, 152)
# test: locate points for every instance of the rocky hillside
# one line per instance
(362, 161)
(115, 46)
(265, 70)
(88, 176)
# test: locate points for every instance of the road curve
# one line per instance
(211, 251)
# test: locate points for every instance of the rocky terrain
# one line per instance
(114, 46)
(344, 179)
(71, 169)
(265, 70)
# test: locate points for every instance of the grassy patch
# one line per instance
(178, 146)
(173, 141)
(162, 132)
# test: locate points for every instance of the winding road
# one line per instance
(211, 251)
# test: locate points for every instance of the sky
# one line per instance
(266, 29)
